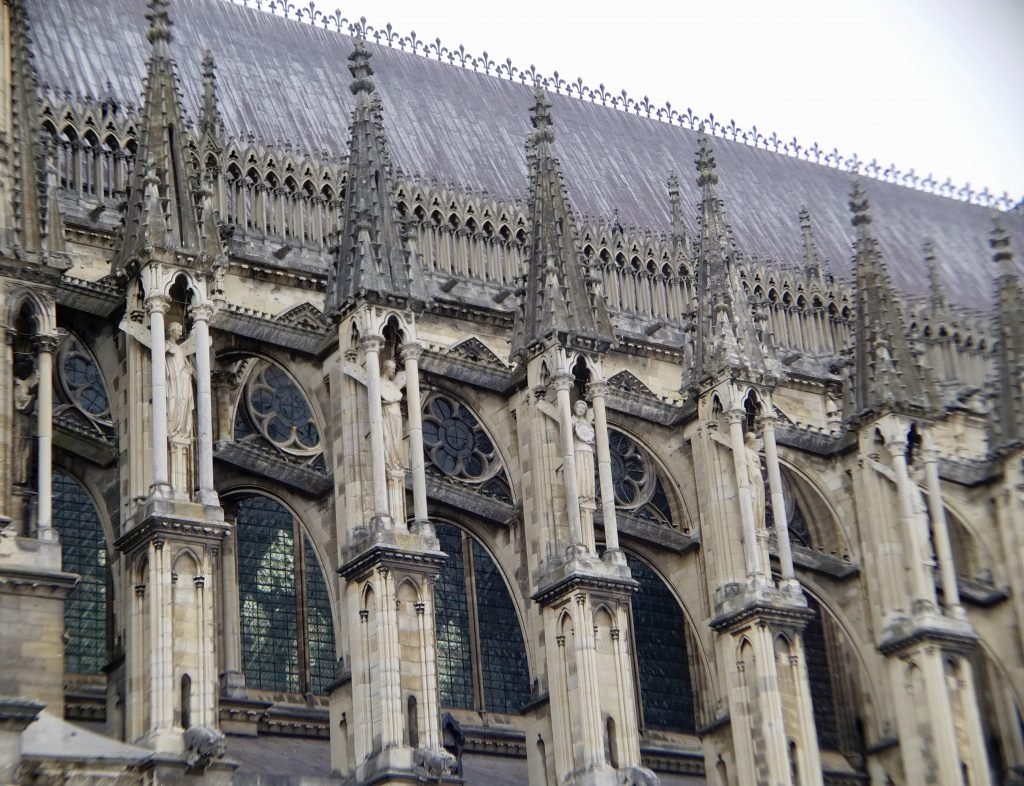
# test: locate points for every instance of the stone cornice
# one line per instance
(365, 556)
(18, 581)
(180, 520)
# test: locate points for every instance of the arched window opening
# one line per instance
(795, 519)
(84, 552)
(481, 656)
(412, 729)
(663, 662)
(609, 742)
(457, 448)
(274, 413)
(819, 675)
(186, 701)
(282, 593)
(639, 490)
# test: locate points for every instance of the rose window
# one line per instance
(456, 446)
(82, 383)
(277, 410)
(638, 489)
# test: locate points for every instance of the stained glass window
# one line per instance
(273, 608)
(666, 691)
(454, 673)
(274, 409)
(638, 487)
(457, 447)
(84, 553)
(506, 677)
(488, 626)
(82, 383)
(819, 675)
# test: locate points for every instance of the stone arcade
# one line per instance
(452, 423)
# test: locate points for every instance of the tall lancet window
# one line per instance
(284, 606)
(663, 663)
(84, 552)
(481, 657)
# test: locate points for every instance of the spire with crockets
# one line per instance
(726, 341)
(560, 303)
(372, 263)
(886, 373)
(166, 208)
(1009, 426)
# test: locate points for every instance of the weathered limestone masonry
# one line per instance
(345, 439)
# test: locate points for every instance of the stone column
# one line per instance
(598, 391)
(771, 457)
(563, 383)
(371, 349)
(940, 532)
(411, 352)
(201, 313)
(922, 587)
(157, 306)
(45, 346)
(735, 417)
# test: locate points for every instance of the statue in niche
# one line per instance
(180, 395)
(583, 440)
(754, 478)
(392, 381)
(26, 380)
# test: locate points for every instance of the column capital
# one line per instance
(202, 311)
(411, 350)
(159, 303)
(371, 343)
(897, 449)
(46, 342)
(563, 380)
(598, 388)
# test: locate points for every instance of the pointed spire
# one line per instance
(211, 124)
(1009, 427)
(162, 203)
(886, 373)
(727, 339)
(373, 261)
(560, 302)
(680, 238)
(936, 292)
(812, 259)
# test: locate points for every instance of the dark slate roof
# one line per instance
(285, 81)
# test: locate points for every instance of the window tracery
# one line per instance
(284, 608)
(81, 383)
(638, 488)
(274, 411)
(481, 656)
(457, 447)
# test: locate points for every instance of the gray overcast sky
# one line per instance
(937, 85)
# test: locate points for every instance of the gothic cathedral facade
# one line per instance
(445, 422)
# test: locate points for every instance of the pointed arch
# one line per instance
(286, 620)
(83, 547)
(481, 651)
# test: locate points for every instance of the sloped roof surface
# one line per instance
(285, 81)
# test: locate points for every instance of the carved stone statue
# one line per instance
(395, 454)
(583, 438)
(24, 421)
(754, 478)
(180, 395)
(180, 374)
